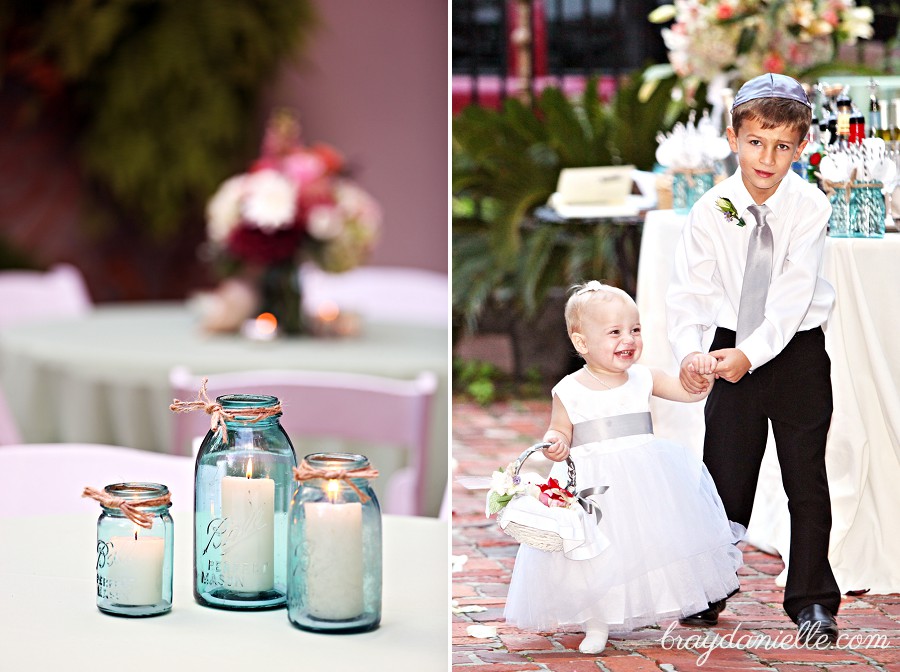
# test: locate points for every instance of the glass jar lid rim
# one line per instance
(137, 491)
(337, 460)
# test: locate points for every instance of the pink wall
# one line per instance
(373, 83)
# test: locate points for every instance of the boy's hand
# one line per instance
(692, 381)
(558, 450)
(733, 364)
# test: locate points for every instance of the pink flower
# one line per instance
(831, 17)
(724, 12)
(773, 63)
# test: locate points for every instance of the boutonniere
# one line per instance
(727, 208)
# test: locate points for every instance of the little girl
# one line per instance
(671, 551)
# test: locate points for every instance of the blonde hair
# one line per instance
(583, 293)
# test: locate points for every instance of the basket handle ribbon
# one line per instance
(591, 507)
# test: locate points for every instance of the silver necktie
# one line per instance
(757, 274)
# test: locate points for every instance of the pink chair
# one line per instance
(26, 296)
(9, 430)
(344, 406)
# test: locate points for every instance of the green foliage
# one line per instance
(496, 502)
(163, 92)
(484, 383)
(506, 163)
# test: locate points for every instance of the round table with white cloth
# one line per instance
(104, 377)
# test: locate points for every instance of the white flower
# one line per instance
(502, 482)
(223, 212)
(324, 222)
(270, 200)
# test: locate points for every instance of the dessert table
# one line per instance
(863, 452)
(49, 617)
(103, 377)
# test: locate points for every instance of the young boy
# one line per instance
(749, 264)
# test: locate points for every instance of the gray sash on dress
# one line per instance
(613, 427)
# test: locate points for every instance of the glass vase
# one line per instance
(242, 491)
(334, 547)
(687, 187)
(134, 563)
(866, 212)
(839, 222)
(281, 295)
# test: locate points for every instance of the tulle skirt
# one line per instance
(671, 548)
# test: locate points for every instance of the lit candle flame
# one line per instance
(250, 468)
(266, 324)
(333, 489)
(328, 311)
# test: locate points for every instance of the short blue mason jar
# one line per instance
(242, 491)
(688, 187)
(334, 547)
(134, 563)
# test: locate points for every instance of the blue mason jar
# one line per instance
(839, 222)
(334, 547)
(134, 563)
(866, 212)
(688, 187)
(242, 490)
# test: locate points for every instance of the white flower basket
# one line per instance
(523, 520)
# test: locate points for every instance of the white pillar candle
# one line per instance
(334, 579)
(135, 570)
(248, 541)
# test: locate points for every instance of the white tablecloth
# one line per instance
(48, 614)
(863, 454)
(104, 377)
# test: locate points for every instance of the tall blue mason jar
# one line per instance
(242, 490)
(334, 548)
(134, 563)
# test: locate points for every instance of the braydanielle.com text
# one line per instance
(710, 641)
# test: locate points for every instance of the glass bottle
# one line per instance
(334, 542)
(242, 488)
(134, 563)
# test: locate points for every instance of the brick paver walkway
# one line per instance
(484, 439)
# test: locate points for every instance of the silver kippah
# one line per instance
(771, 85)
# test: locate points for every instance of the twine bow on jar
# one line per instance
(305, 472)
(218, 416)
(132, 510)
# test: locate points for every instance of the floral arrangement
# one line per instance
(505, 485)
(742, 38)
(293, 203)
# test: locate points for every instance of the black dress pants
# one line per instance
(793, 391)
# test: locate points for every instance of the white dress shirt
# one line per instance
(705, 290)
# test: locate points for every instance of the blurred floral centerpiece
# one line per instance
(728, 40)
(294, 204)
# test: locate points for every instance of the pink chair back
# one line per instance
(26, 296)
(349, 407)
(9, 430)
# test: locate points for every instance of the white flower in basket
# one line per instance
(544, 514)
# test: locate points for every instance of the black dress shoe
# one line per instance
(709, 616)
(816, 626)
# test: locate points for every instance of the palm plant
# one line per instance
(506, 163)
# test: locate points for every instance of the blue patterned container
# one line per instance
(688, 187)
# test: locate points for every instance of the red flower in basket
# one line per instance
(552, 494)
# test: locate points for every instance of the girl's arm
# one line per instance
(669, 387)
(559, 433)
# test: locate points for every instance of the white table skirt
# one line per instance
(863, 453)
(104, 377)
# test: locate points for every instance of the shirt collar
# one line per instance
(776, 202)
